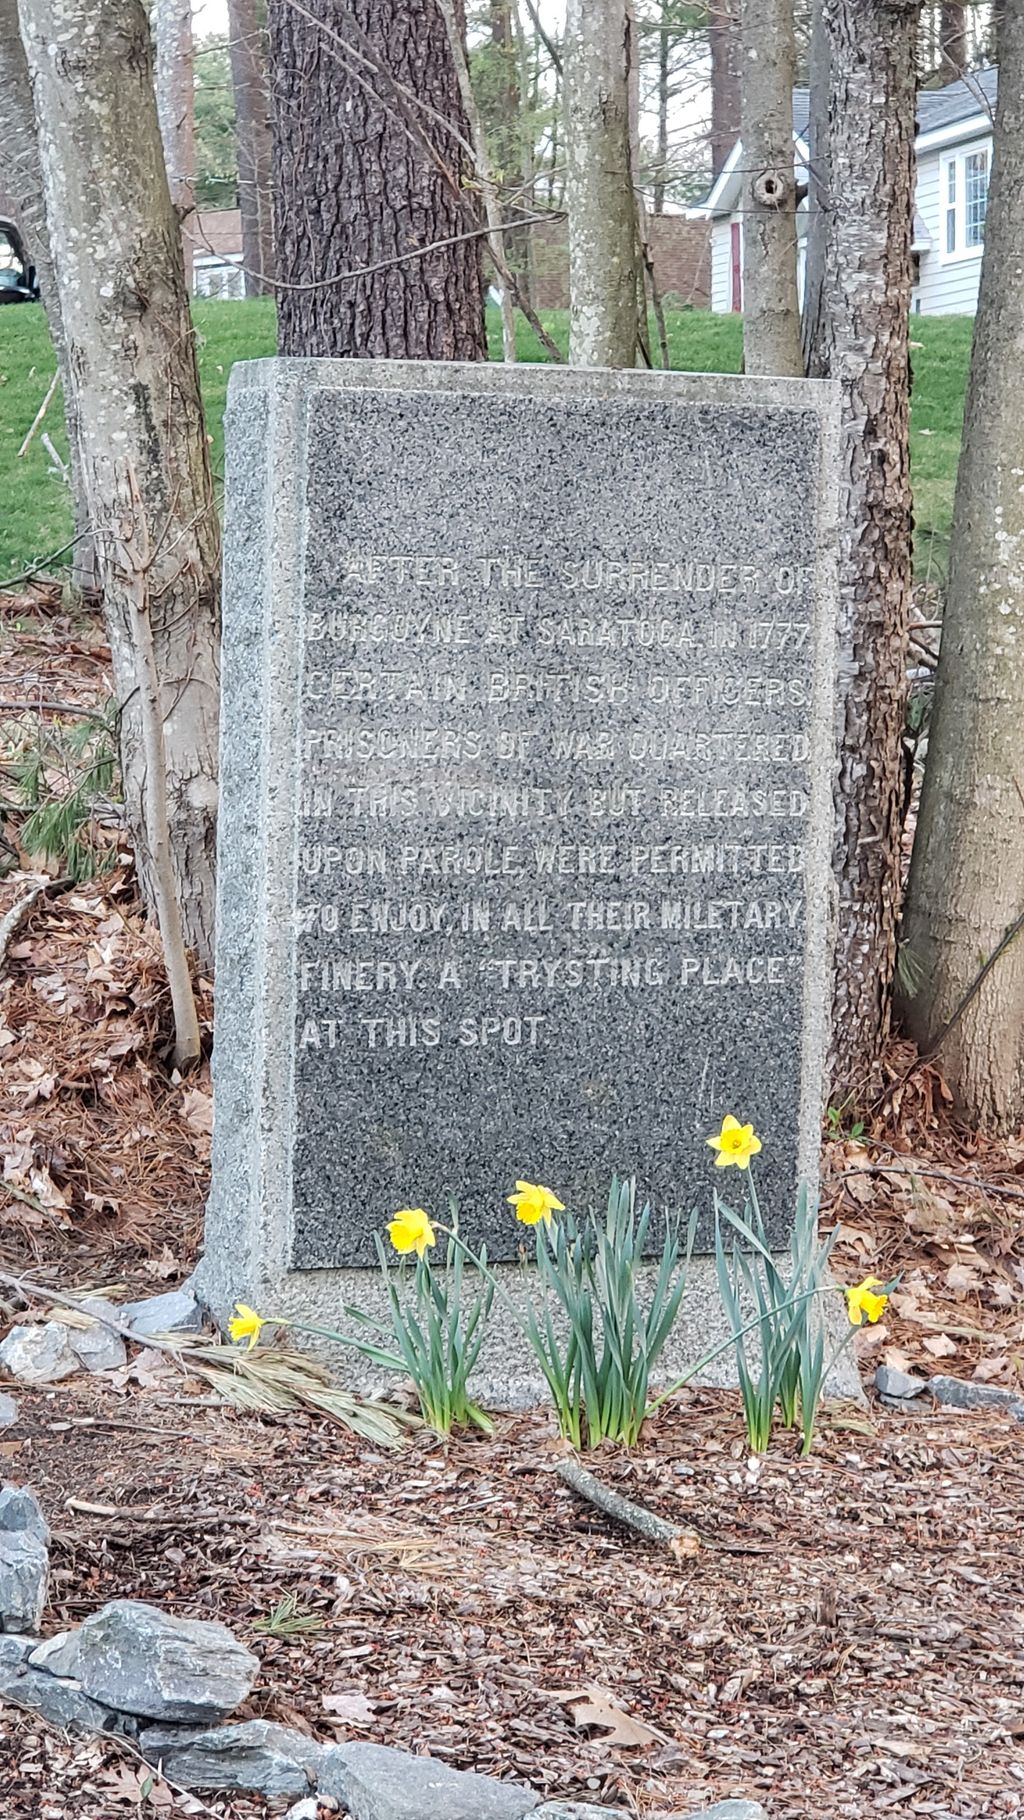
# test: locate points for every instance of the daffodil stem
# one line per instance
(724, 1345)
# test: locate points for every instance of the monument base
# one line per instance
(507, 1377)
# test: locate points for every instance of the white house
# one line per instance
(954, 158)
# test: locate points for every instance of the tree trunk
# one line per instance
(771, 313)
(953, 48)
(603, 265)
(663, 100)
(23, 179)
(966, 887)
(131, 355)
(865, 332)
(372, 175)
(818, 192)
(247, 51)
(176, 107)
(724, 48)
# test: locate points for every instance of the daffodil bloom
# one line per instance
(864, 1302)
(411, 1230)
(735, 1143)
(245, 1324)
(533, 1203)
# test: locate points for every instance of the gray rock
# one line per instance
(99, 1348)
(270, 1759)
(15, 1649)
(309, 1809)
(176, 1311)
(60, 1701)
(20, 1513)
(892, 1383)
(38, 1355)
(727, 1810)
(148, 1662)
(8, 1410)
(577, 1810)
(961, 1393)
(376, 1783)
(58, 1655)
(24, 1580)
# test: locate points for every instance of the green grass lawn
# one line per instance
(34, 517)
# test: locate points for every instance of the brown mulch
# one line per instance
(847, 1641)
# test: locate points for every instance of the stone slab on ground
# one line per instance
(964, 1393)
(99, 1347)
(174, 1311)
(24, 1581)
(9, 1410)
(60, 1701)
(39, 1355)
(500, 1019)
(270, 1759)
(21, 1513)
(374, 1782)
(903, 1385)
(58, 1655)
(155, 1665)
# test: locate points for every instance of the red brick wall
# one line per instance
(682, 261)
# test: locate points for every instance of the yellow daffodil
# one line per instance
(533, 1203)
(865, 1303)
(735, 1143)
(245, 1324)
(411, 1230)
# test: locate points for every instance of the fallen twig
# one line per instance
(682, 1543)
(16, 915)
(40, 414)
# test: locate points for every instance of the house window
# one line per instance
(965, 200)
(975, 196)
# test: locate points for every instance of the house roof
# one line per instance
(939, 110)
(963, 100)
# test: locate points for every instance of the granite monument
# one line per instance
(526, 799)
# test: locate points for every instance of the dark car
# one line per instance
(17, 275)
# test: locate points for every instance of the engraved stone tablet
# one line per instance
(526, 802)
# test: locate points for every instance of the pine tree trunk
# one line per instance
(724, 48)
(771, 313)
(371, 86)
(603, 263)
(247, 52)
(131, 355)
(175, 100)
(966, 887)
(864, 344)
(23, 179)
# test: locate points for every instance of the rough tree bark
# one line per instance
(372, 164)
(131, 356)
(175, 100)
(23, 179)
(603, 260)
(724, 48)
(966, 889)
(247, 51)
(771, 312)
(864, 344)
